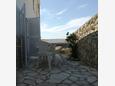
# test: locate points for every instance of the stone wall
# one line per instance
(88, 50)
(87, 46)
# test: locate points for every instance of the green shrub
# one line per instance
(72, 41)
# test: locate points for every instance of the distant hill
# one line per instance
(88, 28)
(54, 40)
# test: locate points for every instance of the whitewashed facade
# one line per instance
(27, 31)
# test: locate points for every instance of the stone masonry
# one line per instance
(70, 74)
(87, 45)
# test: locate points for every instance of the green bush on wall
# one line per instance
(72, 41)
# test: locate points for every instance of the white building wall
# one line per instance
(28, 28)
(32, 8)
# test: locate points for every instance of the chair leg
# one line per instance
(49, 62)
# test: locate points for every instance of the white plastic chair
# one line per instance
(44, 52)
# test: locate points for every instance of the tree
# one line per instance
(72, 41)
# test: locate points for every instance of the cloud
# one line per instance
(82, 6)
(70, 25)
(44, 27)
(61, 12)
(45, 13)
(48, 14)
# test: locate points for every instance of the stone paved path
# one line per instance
(72, 74)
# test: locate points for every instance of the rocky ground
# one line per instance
(70, 74)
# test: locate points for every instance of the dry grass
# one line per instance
(64, 51)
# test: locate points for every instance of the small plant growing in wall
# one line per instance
(72, 41)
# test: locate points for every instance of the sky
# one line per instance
(57, 17)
